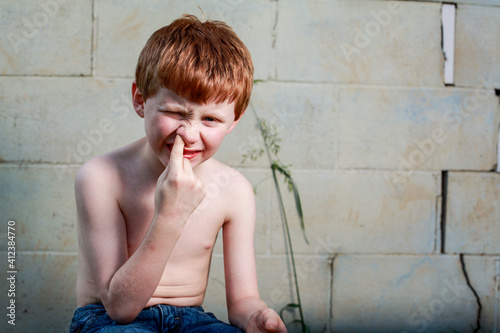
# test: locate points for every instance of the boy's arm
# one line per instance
(126, 284)
(245, 308)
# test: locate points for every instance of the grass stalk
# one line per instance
(275, 166)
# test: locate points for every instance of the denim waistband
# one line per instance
(160, 318)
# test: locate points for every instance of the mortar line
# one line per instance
(497, 296)
(274, 36)
(330, 315)
(44, 252)
(497, 169)
(437, 222)
(444, 199)
(93, 40)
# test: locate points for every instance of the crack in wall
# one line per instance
(497, 166)
(478, 300)
(332, 265)
(497, 296)
(274, 37)
(93, 40)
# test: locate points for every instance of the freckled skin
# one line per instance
(147, 227)
(190, 257)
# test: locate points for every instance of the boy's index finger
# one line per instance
(177, 153)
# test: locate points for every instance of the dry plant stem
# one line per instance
(283, 217)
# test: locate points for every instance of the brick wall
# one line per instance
(394, 168)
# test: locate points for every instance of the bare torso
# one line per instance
(185, 277)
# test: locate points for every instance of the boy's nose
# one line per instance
(189, 133)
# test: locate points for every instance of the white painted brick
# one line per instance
(409, 293)
(477, 46)
(40, 199)
(65, 120)
(304, 117)
(125, 26)
(45, 292)
(484, 277)
(472, 2)
(315, 40)
(473, 213)
(276, 289)
(361, 212)
(45, 37)
(408, 129)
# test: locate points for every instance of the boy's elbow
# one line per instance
(121, 314)
(119, 311)
(123, 319)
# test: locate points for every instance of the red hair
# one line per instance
(201, 61)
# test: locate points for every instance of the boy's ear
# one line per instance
(137, 100)
(233, 125)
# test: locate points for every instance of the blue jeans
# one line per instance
(158, 318)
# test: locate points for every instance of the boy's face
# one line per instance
(202, 127)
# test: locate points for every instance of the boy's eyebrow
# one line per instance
(172, 107)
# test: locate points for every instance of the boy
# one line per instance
(146, 228)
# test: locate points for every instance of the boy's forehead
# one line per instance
(167, 97)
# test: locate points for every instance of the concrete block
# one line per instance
(44, 292)
(409, 294)
(477, 55)
(305, 121)
(361, 212)
(40, 199)
(472, 2)
(369, 42)
(417, 129)
(473, 213)
(49, 37)
(65, 120)
(125, 26)
(277, 290)
(484, 274)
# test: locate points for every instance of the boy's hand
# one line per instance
(266, 320)
(178, 190)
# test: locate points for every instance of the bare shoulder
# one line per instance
(105, 172)
(99, 171)
(233, 191)
(228, 180)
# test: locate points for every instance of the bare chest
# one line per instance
(198, 236)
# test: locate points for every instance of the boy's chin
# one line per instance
(195, 162)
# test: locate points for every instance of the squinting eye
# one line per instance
(210, 119)
(172, 114)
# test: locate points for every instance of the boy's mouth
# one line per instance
(187, 153)
(190, 154)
